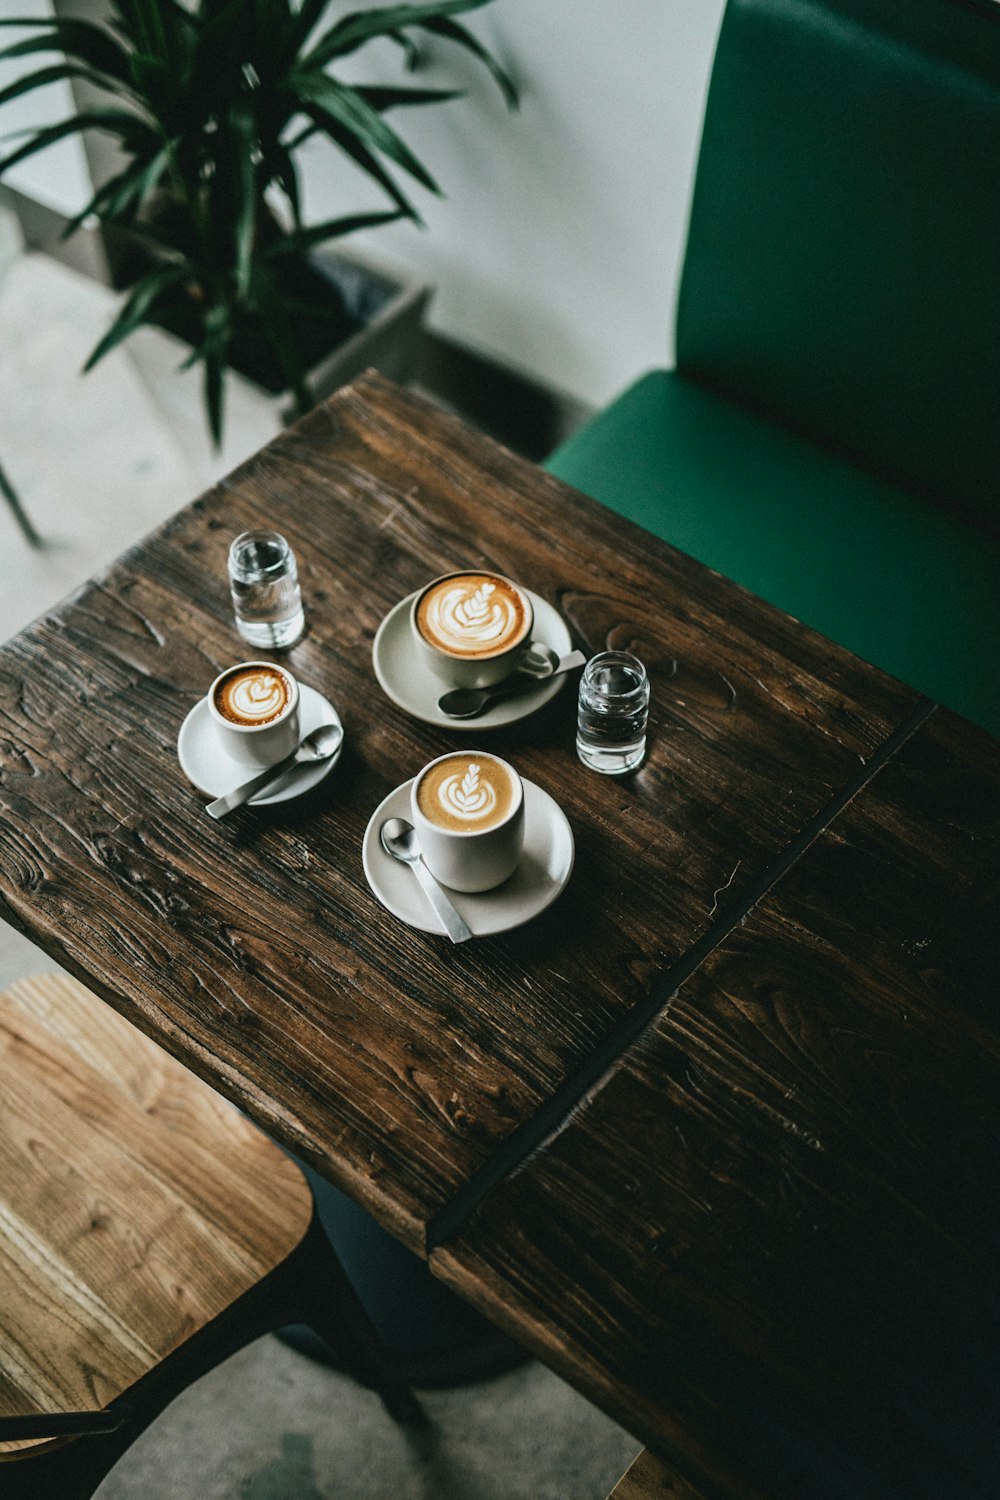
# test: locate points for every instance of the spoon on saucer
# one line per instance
(399, 839)
(467, 703)
(320, 744)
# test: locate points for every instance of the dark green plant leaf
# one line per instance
(116, 121)
(358, 152)
(83, 40)
(221, 21)
(55, 74)
(217, 326)
(192, 358)
(453, 31)
(410, 49)
(285, 26)
(315, 234)
(142, 23)
(389, 98)
(123, 196)
(136, 309)
(306, 21)
(215, 369)
(213, 68)
(155, 26)
(272, 16)
(154, 78)
(242, 125)
(276, 319)
(279, 168)
(353, 30)
(346, 105)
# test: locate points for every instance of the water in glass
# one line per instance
(613, 710)
(264, 582)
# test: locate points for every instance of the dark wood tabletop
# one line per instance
(773, 1226)
(745, 1065)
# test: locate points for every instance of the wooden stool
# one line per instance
(147, 1231)
(649, 1479)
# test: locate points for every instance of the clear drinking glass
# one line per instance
(264, 582)
(613, 710)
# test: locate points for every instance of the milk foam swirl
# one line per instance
(467, 793)
(252, 697)
(467, 797)
(471, 615)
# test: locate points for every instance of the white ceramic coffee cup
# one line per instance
(474, 859)
(258, 744)
(483, 669)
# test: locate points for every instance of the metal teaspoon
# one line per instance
(399, 839)
(467, 703)
(319, 745)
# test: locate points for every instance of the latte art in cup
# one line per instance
(253, 695)
(473, 615)
(466, 793)
(468, 810)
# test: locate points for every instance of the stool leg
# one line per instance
(339, 1318)
(20, 514)
(71, 1472)
(287, 1295)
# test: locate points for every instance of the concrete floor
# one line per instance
(99, 461)
(270, 1426)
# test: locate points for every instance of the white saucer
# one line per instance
(208, 762)
(410, 683)
(542, 875)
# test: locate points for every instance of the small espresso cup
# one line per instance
(468, 810)
(472, 628)
(255, 709)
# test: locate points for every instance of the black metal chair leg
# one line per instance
(20, 514)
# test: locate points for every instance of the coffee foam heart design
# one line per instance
(252, 696)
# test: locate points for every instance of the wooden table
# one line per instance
(718, 1135)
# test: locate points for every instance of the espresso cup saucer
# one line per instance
(405, 677)
(542, 875)
(208, 762)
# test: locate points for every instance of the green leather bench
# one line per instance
(830, 436)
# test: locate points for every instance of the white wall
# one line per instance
(557, 248)
(57, 176)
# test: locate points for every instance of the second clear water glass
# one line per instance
(612, 715)
(264, 582)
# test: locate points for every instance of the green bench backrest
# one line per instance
(843, 259)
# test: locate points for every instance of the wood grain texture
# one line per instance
(253, 949)
(650, 1479)
(135, 1204)
(769, 1242)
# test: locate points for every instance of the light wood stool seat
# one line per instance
(140, 1218)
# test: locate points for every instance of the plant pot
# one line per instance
(386, 310)
(389, 313)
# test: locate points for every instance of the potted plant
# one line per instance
(209, 104)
